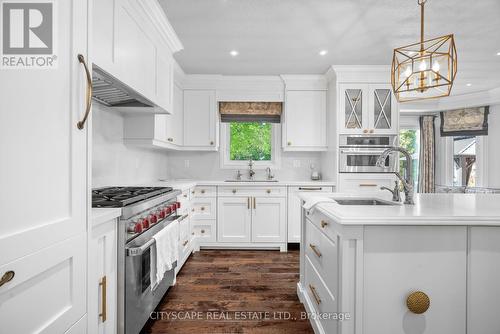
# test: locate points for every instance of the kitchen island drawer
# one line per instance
(324, 224)
(204, 191)
(253, 191)
(324, 304)
(323, 253)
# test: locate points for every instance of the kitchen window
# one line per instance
(465, 161)
(244, 141)
(409, 139)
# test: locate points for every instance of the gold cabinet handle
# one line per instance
(418, 302)
(310, 188)
(81, 123)
(324, 224)
(254, 203)
(315, 294)
(367, 185)
(365, 131)
(185, 243)
(7, 277)
(248, 203)
(103, 285)
(315, 250)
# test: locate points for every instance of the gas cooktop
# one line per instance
(118, 197)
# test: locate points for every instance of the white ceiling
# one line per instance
(285, 36)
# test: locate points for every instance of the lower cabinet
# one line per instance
(102, 278)
(269, 219)
(235, 219)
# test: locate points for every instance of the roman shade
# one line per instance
(465, 122)
(269, 112)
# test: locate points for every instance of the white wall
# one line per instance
(113, 163)
(206, 166)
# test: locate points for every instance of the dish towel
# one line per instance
(311, 203)
(164, 252)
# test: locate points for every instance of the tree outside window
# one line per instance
(409, 139)
(250, 141)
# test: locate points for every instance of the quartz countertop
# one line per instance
(429, 209)
(183, 184)
(102, 215)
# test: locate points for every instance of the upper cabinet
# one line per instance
(200, 120)
(134, 44)
(367, 109)
(304, 120)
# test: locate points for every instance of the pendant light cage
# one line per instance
(426, 69)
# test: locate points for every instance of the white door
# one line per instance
(102, 288)
(353, 102)
(383, 110)
(199, 118)
(234, 219)
(43, 177)
(269, 219)
(295, 209)
(305, 120)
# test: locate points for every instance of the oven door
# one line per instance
(363, 160)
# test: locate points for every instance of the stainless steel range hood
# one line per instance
(113, 93)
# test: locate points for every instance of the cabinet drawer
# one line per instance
(203, 208)
(324, 224)
(204, 191)
(252, 191)
(322, 300)
(311, 188)
(185, 196)
(357, 183)
(323, 254)
(204, 231)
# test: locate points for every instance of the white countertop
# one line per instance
(102, 215)
(429, 209)
(183, 184)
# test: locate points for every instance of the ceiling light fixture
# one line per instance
(323, 52)
(498, 53)
(234, 53)
(426, 69)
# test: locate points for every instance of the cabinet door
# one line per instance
(305, 121)
(269, 219)
(295, 210)
(234, 219)
(383, 111)
(103, 41)
(353, 108)
(102, 263)
(164, 81)
(175, 121)
(200, 118)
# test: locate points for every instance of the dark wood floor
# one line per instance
(224, 286)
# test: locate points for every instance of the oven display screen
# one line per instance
(364, 160)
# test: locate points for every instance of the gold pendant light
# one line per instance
(424, 70)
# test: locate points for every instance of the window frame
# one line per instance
(227, 163)
(481, 160)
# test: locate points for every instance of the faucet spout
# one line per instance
(407, 181)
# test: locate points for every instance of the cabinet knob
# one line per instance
(170, 139)
(211, 143)
(289, 143)
(371, 130)
(234, 191)
(192, 192)
(202, 191)
(268, 191)
(192, 209)
(185, 195)
(365, 131)
(202, 231)
(7, 277)
(192, 233)
(324, 224)
(185, 243)
(202, 208)
(418, 302)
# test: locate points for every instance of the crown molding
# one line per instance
(361, 73)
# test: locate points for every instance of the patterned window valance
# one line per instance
(269, 112)
(465, 122)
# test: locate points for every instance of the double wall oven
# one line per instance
(359, 153)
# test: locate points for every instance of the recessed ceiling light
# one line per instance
(469, 84)
(323, 52)
(234, 53)
(498, 53)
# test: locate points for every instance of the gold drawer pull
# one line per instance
(315, 294)
(324, 224)
(418, 302)
(185, 243)
(315, 250)
(80, 125)
(103, 285)
(7, 277)
(368, 185)
(310, 188)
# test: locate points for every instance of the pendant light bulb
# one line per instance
(422, 66)
(407, 72)
(435, 66)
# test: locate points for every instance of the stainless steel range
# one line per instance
(145, 211)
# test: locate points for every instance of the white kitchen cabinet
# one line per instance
(367, 184)
(102, 278)
(200, 120)
(103, 37)
(367, 109)
(175, 121)
(295, 208)
(269, 219)
(234, 219)
(44, 183)
(305, 121)
(164, 75)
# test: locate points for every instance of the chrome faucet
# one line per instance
(396, 196)
(270, 176)
(407, 181)
(238, 175)
(251, 172)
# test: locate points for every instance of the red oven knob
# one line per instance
(138, 226)
(145, 223)
(160, 213)
(173, 207)
(167, 210)
(152, 218)
(178, 205)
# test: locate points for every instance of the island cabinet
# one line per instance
(398, 277)
(252, 215)
(367, 109)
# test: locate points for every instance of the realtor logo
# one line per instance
(28, 35)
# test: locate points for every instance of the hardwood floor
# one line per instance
(216, 289)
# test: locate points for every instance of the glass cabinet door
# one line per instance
(353, 108)
(382, 109)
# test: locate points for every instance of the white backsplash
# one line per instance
(206, 166)
(114, 163)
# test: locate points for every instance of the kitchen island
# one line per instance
(432, 267)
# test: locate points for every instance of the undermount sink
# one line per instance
(251, 181)
(364, 201)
